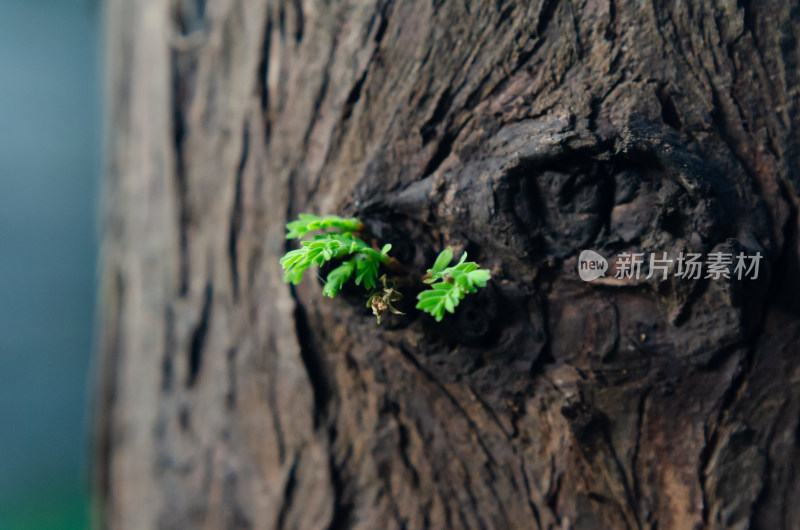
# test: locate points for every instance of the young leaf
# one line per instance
(329, 246)
(468, 276)
(308, 223)
(294, 264)
(294, 275)
(338, 276)
(443, 260)
(450, 284)
(366, 271)
(440, 298)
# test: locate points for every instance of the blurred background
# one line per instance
(50, 102)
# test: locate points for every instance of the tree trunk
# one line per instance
(521, 133)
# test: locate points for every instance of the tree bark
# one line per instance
(523, 133)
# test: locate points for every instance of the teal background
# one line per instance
(50, 101)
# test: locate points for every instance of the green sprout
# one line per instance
(336, 240)
(307, 222)
(450, 284)
(363, 262)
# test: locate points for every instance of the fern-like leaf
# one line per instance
(469, 277)
(307, 222)
(439, 298)
(450, 284)
(338, 244)
(338, 276)
(366, 272)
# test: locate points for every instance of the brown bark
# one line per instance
(523, 133)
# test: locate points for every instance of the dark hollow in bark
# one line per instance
(523, 133)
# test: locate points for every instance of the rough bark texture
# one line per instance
(523, 133)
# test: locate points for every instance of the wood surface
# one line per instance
(521, 132)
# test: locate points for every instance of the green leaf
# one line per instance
(294, 264)
(309, 223)
(367, 271)
(439, 298)
(442, 261)
(331, 246)
(450, 284)
(338, 276)
(469, 277)
(294, 275)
